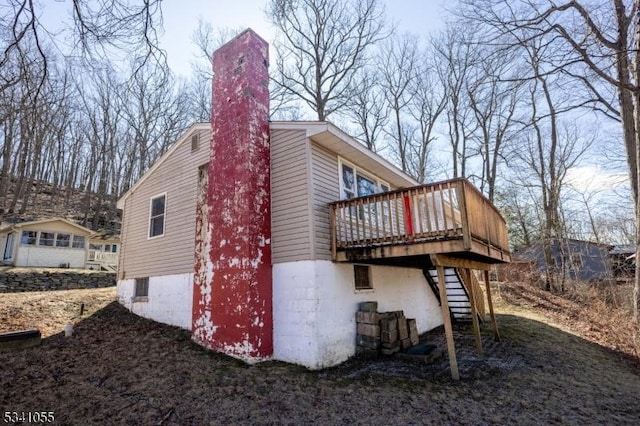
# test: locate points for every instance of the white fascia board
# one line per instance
(336, 140)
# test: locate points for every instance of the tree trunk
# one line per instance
(633, 153)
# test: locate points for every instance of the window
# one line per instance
(348, 182)
(78, 242)
(142, 287)
(362, 277)
(8, 247)
(97, 247)
(29, 238)
(156, 216)
(356, 183)
(63, 240)
(46, 239)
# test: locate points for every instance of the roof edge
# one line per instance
(181, 139)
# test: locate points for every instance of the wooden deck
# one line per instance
(445, 228)
(406, 226)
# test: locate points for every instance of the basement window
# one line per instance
(141, 291)
(362, 277)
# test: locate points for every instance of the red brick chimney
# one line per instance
(232, 297)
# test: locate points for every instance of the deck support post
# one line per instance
(494, 323)
(446, 317)
(466, 276)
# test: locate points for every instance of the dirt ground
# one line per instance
(121, 369)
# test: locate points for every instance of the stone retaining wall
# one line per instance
(54, 280)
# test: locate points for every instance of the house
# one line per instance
(262, 237)
(53, 242)
(575, 259)
(103, 252)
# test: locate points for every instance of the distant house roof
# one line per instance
(532, 251)
(17, 226)
(626, 249)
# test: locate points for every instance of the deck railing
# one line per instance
(102, 257)
(442, 210)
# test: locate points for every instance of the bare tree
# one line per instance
(398, 63)
(603, 39)
(368, 110)
(207, 39)
(429, 101)
(517, 201)
(548, 150)
(456, 57)
(494, 98)
(100, 27)
(321, 45)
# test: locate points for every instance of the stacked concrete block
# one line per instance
(412, 326)
(368, 328)
(386, 332)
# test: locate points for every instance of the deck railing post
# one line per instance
(332, 224)
(464, 214)
(408, 217)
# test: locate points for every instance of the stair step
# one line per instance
(457, 297)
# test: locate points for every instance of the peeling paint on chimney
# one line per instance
(232, 309)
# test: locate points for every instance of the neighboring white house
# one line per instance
(45, 243)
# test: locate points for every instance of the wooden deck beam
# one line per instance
(494, 323)
(466, 277)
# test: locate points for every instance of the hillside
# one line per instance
(130, 370)
(45, 200)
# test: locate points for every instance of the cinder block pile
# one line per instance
(368, 328)
(386, 332)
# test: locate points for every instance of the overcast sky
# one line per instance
(181, 18)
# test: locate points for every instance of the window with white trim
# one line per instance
(355, 182)
(29, 238)
(78, 242)
(63, 240)
(46, 239)
(157, 215)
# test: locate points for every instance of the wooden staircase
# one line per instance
(457, 290)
